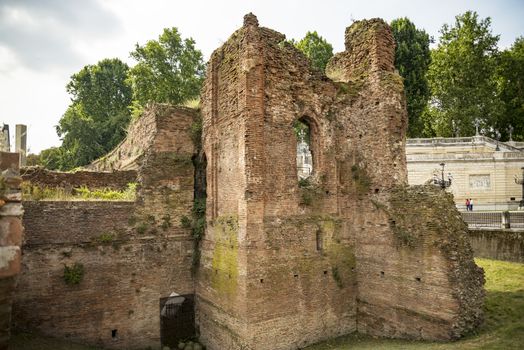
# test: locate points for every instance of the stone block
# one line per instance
(10, 258)
(11, 231)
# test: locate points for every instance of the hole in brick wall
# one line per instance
(327, 192)
(304, 154)
(114, 333)
(382, 273)
(392, 222)
(261, 280)
(360, 136)
(376, 190)
(352, 269)
(512, 199)
(325, 272)
(296, 276)
(418, 279)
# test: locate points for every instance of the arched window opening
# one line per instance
(304, 155)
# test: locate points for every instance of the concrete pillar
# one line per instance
(21, 142)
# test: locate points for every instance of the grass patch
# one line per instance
(503, 328)
(36, 193)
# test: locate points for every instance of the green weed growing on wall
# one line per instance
(73, 274)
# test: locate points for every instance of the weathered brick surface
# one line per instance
(264, 282)
(91, 179)
(147, 256)
(121, 287)
(74, 222)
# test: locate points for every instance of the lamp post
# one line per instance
(497, 136)
(442, 183)
(521, 182)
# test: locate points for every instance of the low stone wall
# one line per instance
(498, 244)
(46, 178)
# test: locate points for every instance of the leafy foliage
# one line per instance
(461, 77)
(37, 193)
(73, 274)
(510, 80)
(316, 48)
(412, 58)
(98, 116)
(169, 69)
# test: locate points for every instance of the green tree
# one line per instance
(510, 78)
(98, 116)
(461, 77)
(316, 48)
(50, 158)
(412, 58)
(169, 70)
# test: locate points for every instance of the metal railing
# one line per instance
(494, 219)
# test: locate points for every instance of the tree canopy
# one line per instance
(169, 69)
(510, 80)
(97, 118)
(412, 58)
(316, 48)
(461, 77)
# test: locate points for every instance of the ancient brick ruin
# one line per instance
(283, 263)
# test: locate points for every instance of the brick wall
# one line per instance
(76, 222)
(132, 254)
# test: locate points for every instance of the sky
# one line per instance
(44, 42)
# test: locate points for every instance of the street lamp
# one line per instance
(521, 182)
(497, 136)
(442, 182)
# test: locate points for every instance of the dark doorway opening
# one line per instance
(177, 319)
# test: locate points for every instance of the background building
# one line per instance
(482, 169)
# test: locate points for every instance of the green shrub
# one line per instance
(73, 274)
(37, 193)
(142, 227)
(185, 222)
(106, 237)
(166, 222)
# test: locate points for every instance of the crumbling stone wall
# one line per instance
(11, 231)
(285, 264)
(132, 253)
(41, 177)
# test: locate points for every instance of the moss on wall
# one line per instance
(224, 277)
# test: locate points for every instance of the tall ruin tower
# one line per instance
(21, 142)
(288, 262)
